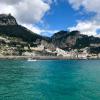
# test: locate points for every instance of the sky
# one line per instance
(47, 17)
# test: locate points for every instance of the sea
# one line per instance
(50, 80)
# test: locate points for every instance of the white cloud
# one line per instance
(33, 28)
(76, 3)
(92, 6)
(27, 12)
(31, 11)
(87, 4)
(40, 31)
(10, 2)
(6, 9)
(87, 27)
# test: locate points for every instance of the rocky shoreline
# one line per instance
(42, 58)
(34, 57)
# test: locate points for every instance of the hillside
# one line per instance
(18, 36)
(18, 40)
(74, 40)
(10, 27)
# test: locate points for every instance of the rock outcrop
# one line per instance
(65, 40)
(7, 20)
(73, 40)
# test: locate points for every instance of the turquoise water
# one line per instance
(50, 80)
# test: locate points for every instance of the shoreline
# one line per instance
(33, 57)
(43, 58)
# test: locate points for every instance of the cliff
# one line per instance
(73, 40)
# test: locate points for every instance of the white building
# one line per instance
(28, 54)
(63, 53)
(38, 48)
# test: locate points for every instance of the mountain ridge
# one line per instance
(64, 40)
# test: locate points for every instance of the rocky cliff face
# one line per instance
(65, 40)
(7, 20)
(74, 40)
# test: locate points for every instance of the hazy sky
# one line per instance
(49, 16)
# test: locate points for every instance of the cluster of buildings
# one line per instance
(83, 53)
(9, 47)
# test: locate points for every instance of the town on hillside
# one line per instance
(16, 40)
